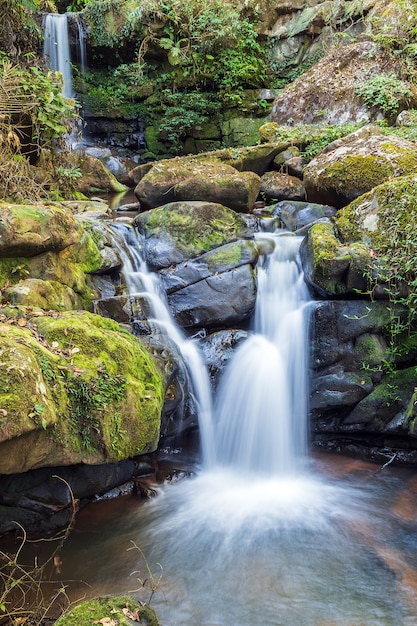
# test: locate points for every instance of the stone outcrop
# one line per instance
(327, 92)
(353, 165)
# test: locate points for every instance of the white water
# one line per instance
(254, 539)
(262, 400)
(145, 285)
(56, 48)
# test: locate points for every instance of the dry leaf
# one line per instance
(22, 322)
(74, 350)
(3, 412)
(55, 345)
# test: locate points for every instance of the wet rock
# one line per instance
(218, 349)
(178, 231)
(296, 215)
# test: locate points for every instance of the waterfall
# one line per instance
(262, 400)
(144, 284)
(56, 48)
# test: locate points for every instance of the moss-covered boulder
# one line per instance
(27, 230)
(237, 190)
(351, 166)
(280, 186)
(96, 177)
(178, 231)
(43, 294)
(157, 187)
(74, 388)
(382, 217)
(332, 268)
(116, 610)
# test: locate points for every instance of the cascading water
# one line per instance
(253, 538)
(144, 284)
(262, 400)
(56, 49)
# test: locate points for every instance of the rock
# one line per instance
(93, 393)
(236, 190)
(157, 187)
(332, 268)
(218, 349)
(156, 181)
(349, 167)
(220, 300)
(95, 176)
(327, 92)
(296, 215)
(278, 186)
(368, 218)
(217, 261)
(348, 356)
(181, 230)
(27, 230)
(43, 294)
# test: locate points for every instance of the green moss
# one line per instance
(352, 175)
(12, 270)
(226, 256)
(195, 227)
(86, 389)
(94, 611)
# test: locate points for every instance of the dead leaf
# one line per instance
(55, 345)
(22, 322)
(74, 350)
(65, 332)
(3, 412)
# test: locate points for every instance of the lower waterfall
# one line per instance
(261, 535)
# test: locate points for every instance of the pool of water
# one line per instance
(335, 545)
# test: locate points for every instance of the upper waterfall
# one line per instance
(56, 48)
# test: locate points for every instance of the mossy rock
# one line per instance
(27, 230)
(351, 166)
(157, 186)
(236, 190)
(43, 294)
(181, 230)
(75, 388)
(96, 610)
(330, 267)
(95, 176)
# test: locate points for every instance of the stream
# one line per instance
(261, 534)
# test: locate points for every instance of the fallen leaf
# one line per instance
(55, 345)
(22, 322)
(74, 350)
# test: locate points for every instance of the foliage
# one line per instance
(385, 92)
(112, 22)
(34, 115)
(18, 27)
(185, 110)
(117, 90)
(395, 31)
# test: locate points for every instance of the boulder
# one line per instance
(237, 190)
(297, 215)
(95, 176)
(332, 268)
(92, 393)
(43, 294)
(218, 349)
(27, 230)
(279, 186)
(178, 231)
(157, 186)
(349, 167)
(109, 610)
(220, 300)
